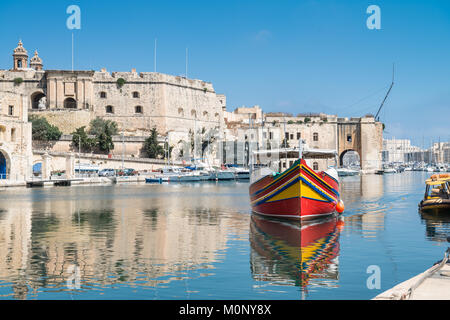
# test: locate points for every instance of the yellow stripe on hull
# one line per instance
(290, 192)
(308, 192)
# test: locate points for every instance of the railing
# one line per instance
(4, 176)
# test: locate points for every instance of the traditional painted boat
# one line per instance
(297, 193)
(437, 194)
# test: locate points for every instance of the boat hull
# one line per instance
(297, 193)
(435, 206)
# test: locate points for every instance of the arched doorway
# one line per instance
(350, 158)
(4, 166)
(70, 103)
(36, 101)
(37, 169)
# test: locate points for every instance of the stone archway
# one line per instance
(349, 152)
(5, 165)
(70, 103)
(36, 102)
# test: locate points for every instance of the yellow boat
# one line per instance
(437, 194)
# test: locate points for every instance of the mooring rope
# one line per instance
(426, 275)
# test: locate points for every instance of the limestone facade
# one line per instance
(136, 101)
(15, 138)
(319, 131)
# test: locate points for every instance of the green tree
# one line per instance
(152, 147)
(80, 136)
(99, 125)
(42, 130)
(103, 130)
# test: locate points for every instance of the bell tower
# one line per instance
(36, 62)
(20, 57)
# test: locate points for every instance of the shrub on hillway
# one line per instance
(42, 130)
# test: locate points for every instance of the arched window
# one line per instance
(109, 109)
(138, 109)
(181, 111)
(315, 136)
(315, 166)
(70, 103)
(103, 95)
(216, 115)
(135, 94)
(193, 113)
(205, 114)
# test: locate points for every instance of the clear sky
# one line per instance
(291, 56)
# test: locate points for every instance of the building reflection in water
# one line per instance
(437, 226)
(365, 209)
(112, 236)
(287, 253)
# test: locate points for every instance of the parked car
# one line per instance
(106, 173)
(127, 172)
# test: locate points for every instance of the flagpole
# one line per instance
(154, 62)
(186, 63)
(72, 51)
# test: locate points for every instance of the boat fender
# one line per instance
(340, 206)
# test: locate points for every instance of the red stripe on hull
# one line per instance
(314, 207)
(288, 207)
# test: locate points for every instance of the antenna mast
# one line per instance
(381, 106)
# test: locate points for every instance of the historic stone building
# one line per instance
(176, 107)
(248, 127)
(15, 138)
(136, 101)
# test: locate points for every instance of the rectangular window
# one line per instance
(315, 136)
(270, 135)
(349, 138)
(11, 110)
(292, 136)
(298, 135)
(286, 135)
(13, 134)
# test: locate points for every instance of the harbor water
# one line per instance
(200, 241)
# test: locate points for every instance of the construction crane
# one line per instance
(377, 118)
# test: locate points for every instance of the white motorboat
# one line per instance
(390, 170)
(185, 177)
(342, 172)
(225, 174)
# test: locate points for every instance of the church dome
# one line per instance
(36, 62)
(35, 58)
(20, 50)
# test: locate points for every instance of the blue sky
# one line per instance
(292, 56)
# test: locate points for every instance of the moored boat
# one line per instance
(437, 194)
(297, 193)
(342, 172)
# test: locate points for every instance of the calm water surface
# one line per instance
(199, 241)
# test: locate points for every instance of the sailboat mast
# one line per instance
(377, 118)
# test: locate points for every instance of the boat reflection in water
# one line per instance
(437, 225)
(290, 253)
